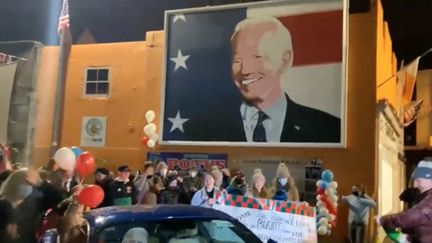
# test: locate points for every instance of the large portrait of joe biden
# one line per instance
(267, 74)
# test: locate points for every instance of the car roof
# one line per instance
(121, 214)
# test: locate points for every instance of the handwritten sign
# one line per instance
(271, 219)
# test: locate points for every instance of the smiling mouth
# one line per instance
(249, 81)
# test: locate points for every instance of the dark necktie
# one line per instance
(259, 134)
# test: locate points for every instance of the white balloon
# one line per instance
(151, 143)
(319, 204)
(318, 183)
(150, 116)
(154, 136)
(331, 217)
(333, 184)
(322, 230)
(333, 198)
(323, 221)
(149, 129)
(323, 210)
(65, 159)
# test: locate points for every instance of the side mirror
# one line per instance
(271, 241)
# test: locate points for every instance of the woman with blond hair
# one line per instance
(258, 190)
(285, 182)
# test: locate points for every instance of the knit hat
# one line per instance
(282, 171)
(423, 169)
(258, 175)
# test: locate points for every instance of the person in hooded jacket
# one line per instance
(284, 181)
(258, 189)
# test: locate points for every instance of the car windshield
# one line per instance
(177, 231)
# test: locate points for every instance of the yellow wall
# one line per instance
(136, 88)
(45, 91)
(386, 63)
(424, 120)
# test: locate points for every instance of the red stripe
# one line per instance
(316, 37)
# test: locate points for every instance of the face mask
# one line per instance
(283, 181)
(193, 174)
(24, 191)
(355, 193)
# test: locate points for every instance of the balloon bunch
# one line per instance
(151, 137)
(83, 162)
(326, 203)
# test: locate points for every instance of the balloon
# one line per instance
(320, 191)
(333, 198)
(149, 129)
(334, 184)
(323, 210)
(331, 217)
(150, 116)
(144, 140)
(154, 136)
(393, 234)
(323, 221)
(319, 204)
(324, 185)
(77, 151)
(91, 196)
(322, 230)
(318, 183)
(151, 143)
(65, 158)
(85, 164)
(327, 175)
(328, 231)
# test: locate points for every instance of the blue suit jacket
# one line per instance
(302, 124)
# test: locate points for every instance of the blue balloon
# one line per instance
(77, 151)
(324, 185)
(327, 175)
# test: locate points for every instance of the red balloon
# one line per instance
(85, 164)
(144, 140)
(91, 196)
(320, 191)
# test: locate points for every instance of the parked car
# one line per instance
(161, 224)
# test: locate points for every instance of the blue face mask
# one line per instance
(24, 191)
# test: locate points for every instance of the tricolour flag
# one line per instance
(406, 81)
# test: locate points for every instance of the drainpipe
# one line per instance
(65, 46)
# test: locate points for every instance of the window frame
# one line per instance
(108, 81)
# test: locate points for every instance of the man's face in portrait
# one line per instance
(256, 68)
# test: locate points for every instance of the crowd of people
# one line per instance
(32, 201)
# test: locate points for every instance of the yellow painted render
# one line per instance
(385, 61)
(45, 96)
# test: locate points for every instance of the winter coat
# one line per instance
(417, 219)
(105, 185)
(201, 199)
(290, 188)
(359, 207)
(150, 197)
(255, 194)
(170, 196)
(122, 192)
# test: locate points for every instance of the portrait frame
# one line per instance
(290, 8)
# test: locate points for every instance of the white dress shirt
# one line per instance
(272, 125)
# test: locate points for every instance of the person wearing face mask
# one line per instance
(258, 190)
(26, 197)
(359, 204)
(192, 183)
(285, 182)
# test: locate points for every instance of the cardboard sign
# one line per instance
(280, 221)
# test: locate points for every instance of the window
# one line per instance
(97, 82)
